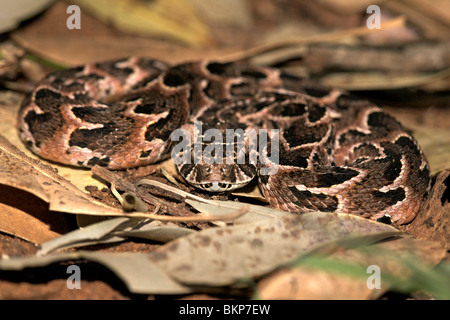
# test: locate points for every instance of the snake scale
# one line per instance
(336, 153)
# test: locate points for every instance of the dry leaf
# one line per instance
(29, 220)
(136, 270)
(427, 252)
(325, 57)
(343, 275)
(223, 256)
(431, 18)
(379, 81)
(169, 18)
(348, 6)
(157, 233)
(114, 230)
(96, 41)
(433, 223)
(307, 284)
(19, 171)
(251, 191)
(169, 177)
(230, 12)
(82, 236)
(9, 107)
(10, 56)
(14, 12)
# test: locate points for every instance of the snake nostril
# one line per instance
(224, 186)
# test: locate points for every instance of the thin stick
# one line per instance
(179, 192)
(197, 218)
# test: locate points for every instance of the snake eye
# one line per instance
(207, 169)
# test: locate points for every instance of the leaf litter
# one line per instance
(235, 240)
(22, 172)
(255, 241)
(235, 253)
(221, 256)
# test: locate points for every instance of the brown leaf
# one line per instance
(171, 19)
(307, 284)
(97, 41)
(29, 220)
(10, 55)
(20, 171)
(379, 81)
(394, 256)
(313, 282)
(433, 223)
(231, 12)
(9, 106)
(432, 19)
(250, 191)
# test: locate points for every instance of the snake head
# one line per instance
(218, 177)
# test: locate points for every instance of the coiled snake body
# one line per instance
(336, 153)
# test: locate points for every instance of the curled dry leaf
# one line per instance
(223, 256)
(433, 223)
(94, 232)
(19, 171)
(114, 230)
(28, 220)
(157, 233)
(250, 191)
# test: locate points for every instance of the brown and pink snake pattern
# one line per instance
(336, 153)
